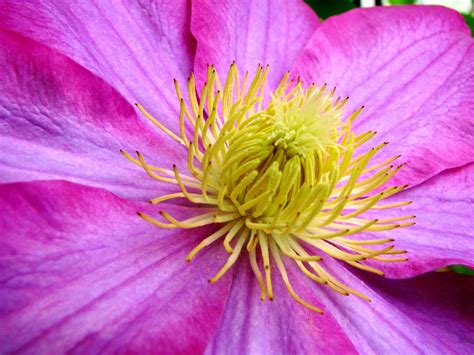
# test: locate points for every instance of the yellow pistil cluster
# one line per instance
(279, 175)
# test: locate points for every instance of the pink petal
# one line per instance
(429, 314)
(413, 69)
(59, 121)
(250, 32)
(82, 273)
(444, 230)
(250, 326)
(136, 46)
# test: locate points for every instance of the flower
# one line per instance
(81, 272)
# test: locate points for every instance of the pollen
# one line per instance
(283, 178)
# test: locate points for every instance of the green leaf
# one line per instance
(470, 22)
(462, 270)
(327, 8)
(401, 2)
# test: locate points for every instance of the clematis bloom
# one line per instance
(81, 272)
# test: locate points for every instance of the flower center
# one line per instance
(280, 175)
(273, 165)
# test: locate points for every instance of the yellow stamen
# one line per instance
(232, 258)
(284, 276)
(209, 240)
(159, 125)
(281, 173)
(262, 238)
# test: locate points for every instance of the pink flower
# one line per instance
(81, 273)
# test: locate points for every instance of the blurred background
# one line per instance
(327, 8)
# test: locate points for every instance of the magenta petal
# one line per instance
(82, 273)
(429, 314)
(59, 121)
(250, 32)
(444, 230)
(413, 69)
(136, 46)
(250, 326)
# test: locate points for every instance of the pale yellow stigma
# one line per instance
(281, 178)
